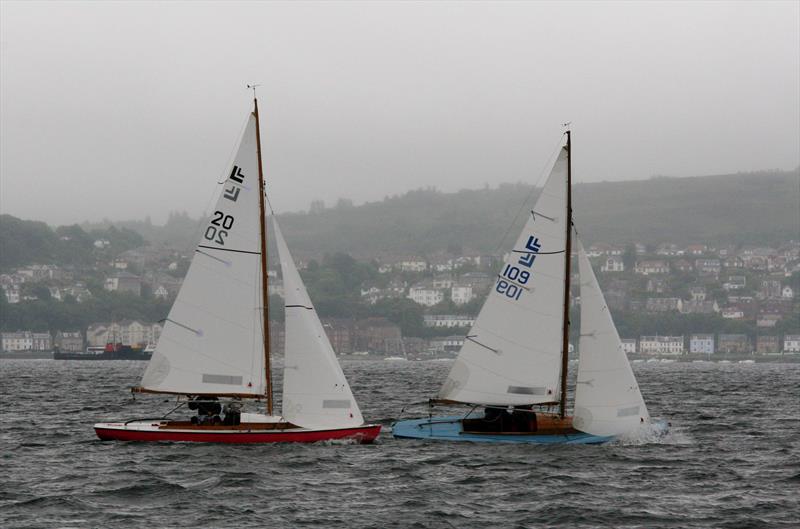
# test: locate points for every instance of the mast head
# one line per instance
(253, 88)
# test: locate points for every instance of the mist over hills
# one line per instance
(753, 208)
(759, 208)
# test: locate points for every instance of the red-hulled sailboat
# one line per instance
(214, 351)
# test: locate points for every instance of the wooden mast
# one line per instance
(264, 277)
(567, 270)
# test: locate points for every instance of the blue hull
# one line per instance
(449, 429)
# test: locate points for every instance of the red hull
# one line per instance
(363, 434)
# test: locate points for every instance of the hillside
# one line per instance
(755, 208)
(24, 242)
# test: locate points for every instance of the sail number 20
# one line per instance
(218, 229)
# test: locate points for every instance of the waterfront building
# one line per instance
(701, 344)
(660, 345)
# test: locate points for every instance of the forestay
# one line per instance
(512, 354)
(315, 391)
(607, 397)
(212, 342)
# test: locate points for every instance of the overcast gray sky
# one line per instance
(122, 110)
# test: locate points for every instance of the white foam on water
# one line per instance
(655, 433)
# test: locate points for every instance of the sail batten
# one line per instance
(519, 321)
(607, 396)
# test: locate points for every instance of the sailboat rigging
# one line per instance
(216, 338)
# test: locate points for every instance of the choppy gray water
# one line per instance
(732, 460)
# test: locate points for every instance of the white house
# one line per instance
(161, 292)
(461, 294)
(447, 343)
(128, 332)
(787, 292)
(735, 283)
(425, 295)
(11, 293)
(613, 263)
(42, 341)
(701, 343)
(647, 268)
(671, 345)
(413, 265)
(16, 341)
(791, 343)
(629, 345)
(732, 313)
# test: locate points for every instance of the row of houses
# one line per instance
(126, 332)
(711, 344)
(418, 264)
(375, 335)
(41, 341)
(706, 260)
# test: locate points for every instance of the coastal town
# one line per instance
(699, 300)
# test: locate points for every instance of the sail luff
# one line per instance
(264, 275)
(567, 270)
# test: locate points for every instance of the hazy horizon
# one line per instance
(121, 111)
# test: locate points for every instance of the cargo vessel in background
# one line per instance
(111, 351)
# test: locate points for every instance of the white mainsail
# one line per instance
(607, 397)
(212, 342)
(512, 354)
(315, 391)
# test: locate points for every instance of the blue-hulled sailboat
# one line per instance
(511, 371)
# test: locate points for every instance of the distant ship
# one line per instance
(111, 351)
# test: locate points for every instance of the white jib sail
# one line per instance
(315, 391)
(607, 397)
(212, 340)
(512, 354)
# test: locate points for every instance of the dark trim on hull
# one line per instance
(363, 434)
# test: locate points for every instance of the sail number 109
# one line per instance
(218, 229)
(513, 273)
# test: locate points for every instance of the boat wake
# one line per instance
(655, 433)
(340, 442)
